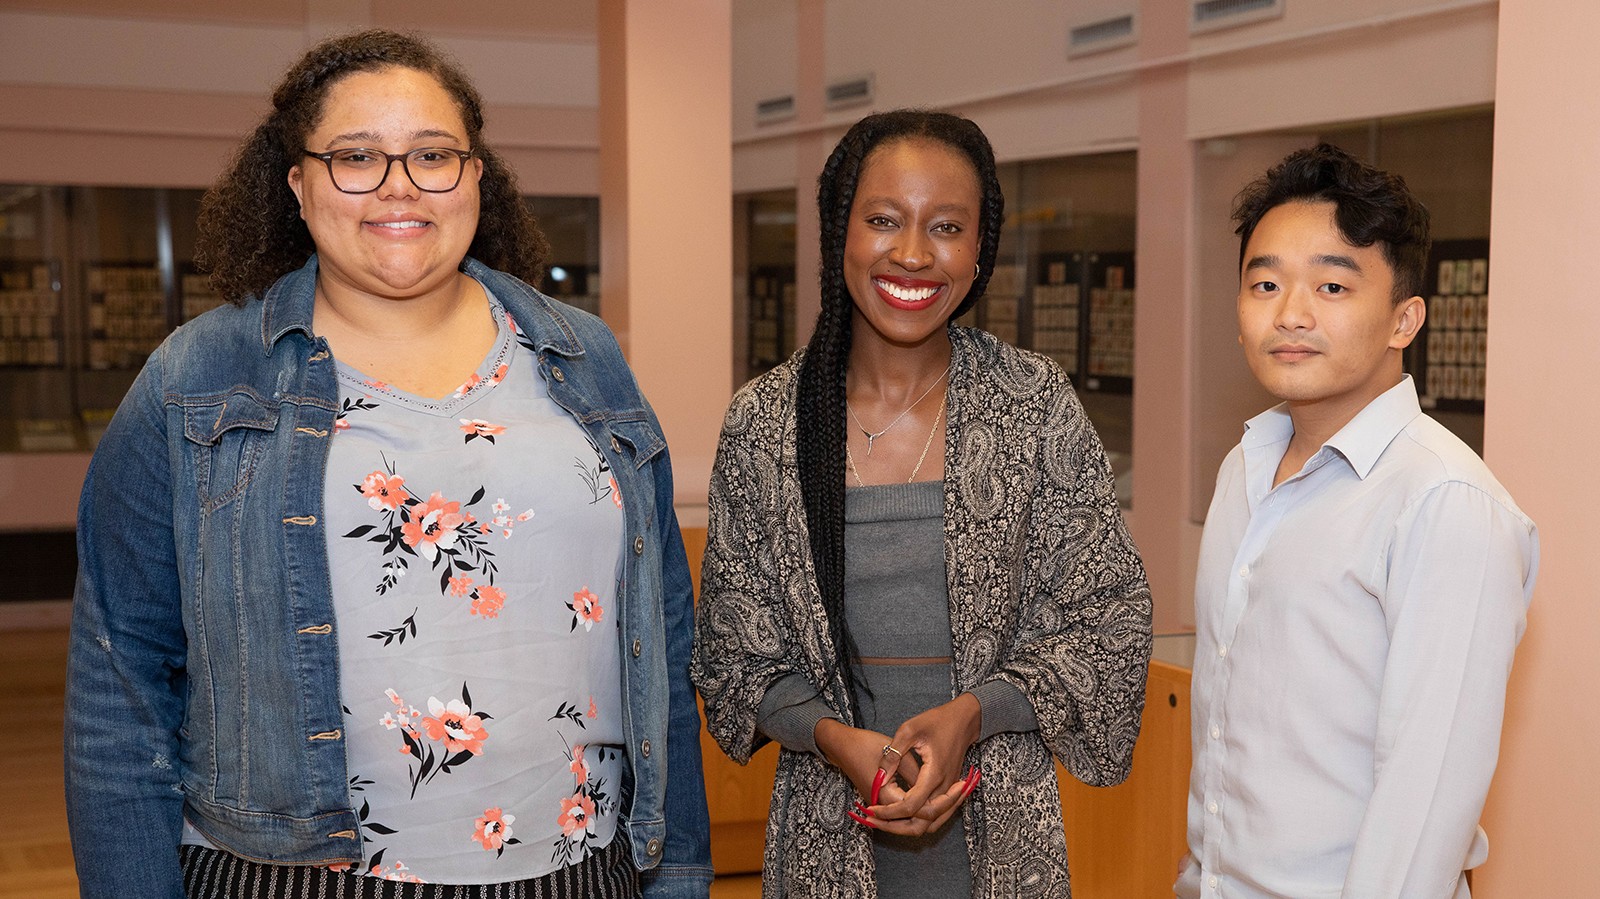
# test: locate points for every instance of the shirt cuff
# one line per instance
(790, 711)
(1004, 709)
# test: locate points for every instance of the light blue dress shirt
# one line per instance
(1354, 632)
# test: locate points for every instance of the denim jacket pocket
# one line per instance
(227, 433)
(642, 438)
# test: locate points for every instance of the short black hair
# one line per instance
(1371, 206)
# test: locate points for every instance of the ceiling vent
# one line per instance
(775, 109)
(1214, 15)
(854, 92)
(1104, 34)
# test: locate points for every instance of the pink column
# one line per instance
(811, 151)
(666, 236)
(1541, 434)
(1161, 364)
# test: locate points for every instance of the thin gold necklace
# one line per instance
(871, 436)
(934, 430)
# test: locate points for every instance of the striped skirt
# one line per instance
(214, 874)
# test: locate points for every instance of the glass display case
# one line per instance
(1064, 283)
(92, 279)
(766, 270)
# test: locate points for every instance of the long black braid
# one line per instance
(820, 393)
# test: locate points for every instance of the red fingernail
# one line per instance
(863, 810)
(877, 784)
(972, 781)
(862, 821)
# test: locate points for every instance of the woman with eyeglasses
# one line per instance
(381, 591)
(917, 580)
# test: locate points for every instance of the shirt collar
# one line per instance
(1362, 440)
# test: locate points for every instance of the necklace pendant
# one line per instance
(870, 438)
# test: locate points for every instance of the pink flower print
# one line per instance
(341, 424)
(512, 324)
(433, 526)
(576, 814)
(494, 829)
(472, 381)
(593, 712)
(397, 871)
(402, 715)
(499, 374)
(616, 493)
(585, 608)
(477, 427)
(460, 586)
(376, 384)
(384, 490)
(341, 867)
(578, 767)
(488, 601)
(525, 515)
(454, 723)
(500, 505)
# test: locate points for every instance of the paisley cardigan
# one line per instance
(1046, 592)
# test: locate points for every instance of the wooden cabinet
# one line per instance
(1124, 842)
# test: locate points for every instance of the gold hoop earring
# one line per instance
(977, 271)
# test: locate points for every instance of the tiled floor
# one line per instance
(35, 856)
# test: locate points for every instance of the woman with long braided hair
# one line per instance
(917, 579)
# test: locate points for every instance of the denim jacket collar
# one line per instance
(288, 306)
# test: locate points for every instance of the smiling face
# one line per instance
(1317, 316)
(396, 241)
(912, 241)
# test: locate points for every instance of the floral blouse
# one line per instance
(475, 544)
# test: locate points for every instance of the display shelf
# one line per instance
(772, 290)
(127, 314)
(195, 293)
(1109, 366)
(32, 330)
(1057, 309)
(1450, 354)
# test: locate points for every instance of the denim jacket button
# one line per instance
(638, 546)
(615, 446)
(637, 646)
(644, 748)
(555, 372)
(653, 847)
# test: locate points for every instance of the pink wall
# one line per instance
(1541, 434)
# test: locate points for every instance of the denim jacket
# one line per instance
(203, 678)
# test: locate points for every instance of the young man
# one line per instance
(1363, 578)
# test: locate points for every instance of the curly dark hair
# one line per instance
(251, 233)
(820, 392)
(1371, 206)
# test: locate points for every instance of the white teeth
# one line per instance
(907, 294)
(400, 224)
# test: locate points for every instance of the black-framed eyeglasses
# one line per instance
(361, 170)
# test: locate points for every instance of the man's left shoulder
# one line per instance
(1427, 456)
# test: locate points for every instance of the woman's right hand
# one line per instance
(853, 750)
(859, 754)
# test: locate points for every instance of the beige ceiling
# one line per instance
(562, 19)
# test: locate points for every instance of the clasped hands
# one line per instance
(910, 783)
